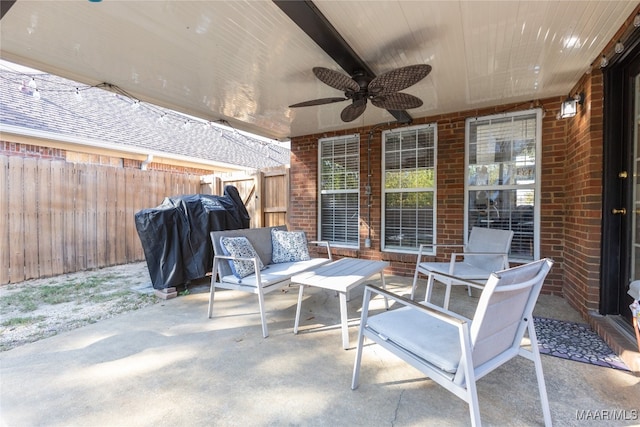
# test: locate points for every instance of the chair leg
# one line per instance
(212, 292)
(447, 294)
(430, 280)
(384, 286)
(265, 331)
(363, 320)
(356, 365)
(414, 284)
(537, 361)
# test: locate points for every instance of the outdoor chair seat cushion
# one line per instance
(432, 340)
(276, 273)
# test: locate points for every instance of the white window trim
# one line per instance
(538, 176)
(384, 192)
(320, 191)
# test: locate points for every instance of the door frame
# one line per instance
(618, 80)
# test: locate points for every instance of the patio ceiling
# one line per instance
(245, 62)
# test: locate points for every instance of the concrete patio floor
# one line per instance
(169, 365)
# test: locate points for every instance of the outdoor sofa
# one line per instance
(260, 260)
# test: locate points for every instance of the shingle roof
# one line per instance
(107, 117)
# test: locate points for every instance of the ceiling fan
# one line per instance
(383, 90)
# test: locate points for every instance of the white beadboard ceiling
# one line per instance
(245, 61)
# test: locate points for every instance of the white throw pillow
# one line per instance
(289, 246)
(240, 247)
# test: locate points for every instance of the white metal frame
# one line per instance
(481, 349)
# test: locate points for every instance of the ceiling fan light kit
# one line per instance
(383, 91)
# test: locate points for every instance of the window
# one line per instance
(339, 186)
(502, 177)
(409, 183)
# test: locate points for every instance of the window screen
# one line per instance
(339, 186)
(409, 187)
(501, 177)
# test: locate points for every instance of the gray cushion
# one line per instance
(430, 339)
(276, 273)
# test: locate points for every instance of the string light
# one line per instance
(36, 85)
(604, 61)
(619, 47)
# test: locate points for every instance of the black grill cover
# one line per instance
(175, 235)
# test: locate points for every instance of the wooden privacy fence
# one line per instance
(264, 193)
(58, 217)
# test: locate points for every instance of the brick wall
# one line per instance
(583, 195)
(570, 191)
(8, 148)
(25, 150)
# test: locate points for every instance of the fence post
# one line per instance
(258, 183)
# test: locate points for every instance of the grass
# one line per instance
(21, 321)
(90, 290)
(46, 307)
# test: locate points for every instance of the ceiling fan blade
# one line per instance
(353, 111)
(398, 79)
(396, 101)
(320, 101)
(336, 80)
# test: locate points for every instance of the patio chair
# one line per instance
(454, 351)
(487, 251)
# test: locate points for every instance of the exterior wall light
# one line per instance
(569, 106)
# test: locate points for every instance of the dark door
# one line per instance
(621, 197)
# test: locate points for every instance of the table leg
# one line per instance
(298, 309)
(384, 286)
(344, 320)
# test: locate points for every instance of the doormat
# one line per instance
(575, 341)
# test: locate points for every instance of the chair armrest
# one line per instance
(435, 248)
(457, 279)
(323, 243)
(427, 308)
(256, 270)
(464, 254)
(505, 256)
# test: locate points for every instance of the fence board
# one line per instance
(111, 231)
(91, 217)
(58, 205)
(69, 214)
(4, 220)
(101, 216)
(30, 206)
(80, 206)
(121, 246)
(129, 209)
(43, 225)
(16, 220)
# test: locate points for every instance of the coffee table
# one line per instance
(340, 276)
